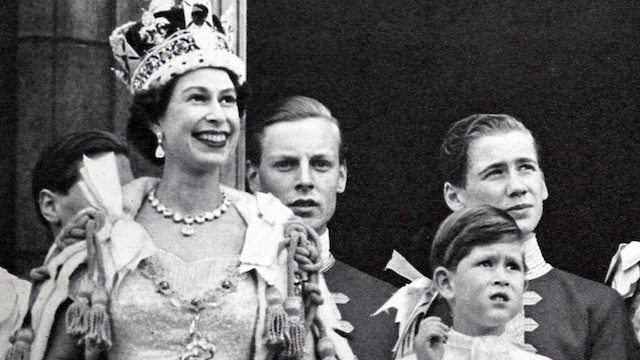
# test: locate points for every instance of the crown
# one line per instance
(172, 38)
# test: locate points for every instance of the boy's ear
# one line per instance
(48, 201)
(453, 196)
(442, 280)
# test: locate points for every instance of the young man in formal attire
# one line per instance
(298, 155)
(492, 159)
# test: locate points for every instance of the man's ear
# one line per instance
(442, 281)
(342, 178)
(453, 196)
(253, 177)
(48, 201)
(545, 191)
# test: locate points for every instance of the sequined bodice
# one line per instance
(151, 325)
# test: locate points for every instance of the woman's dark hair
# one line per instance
(148, 106)
(468, 228)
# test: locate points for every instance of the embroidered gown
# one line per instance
(147, 324)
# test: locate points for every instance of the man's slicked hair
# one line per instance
(454, 151)
(290, 109)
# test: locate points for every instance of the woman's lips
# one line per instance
(214, 139)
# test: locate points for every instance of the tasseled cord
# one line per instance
(311, 263)
(22, 339)
(21, 344)
(302, 256)
(326, 348)
(88, 316)
(98, 335)
(289, 320)
(276, 317)
(77, 316)
(294, 331)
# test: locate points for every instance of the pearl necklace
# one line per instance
(188, 220)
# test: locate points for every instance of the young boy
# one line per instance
(478, 261)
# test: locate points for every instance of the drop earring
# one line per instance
(159, 150)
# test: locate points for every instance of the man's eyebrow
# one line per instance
(320, 156)
(526, 160)
(282, 156)
(492, 166)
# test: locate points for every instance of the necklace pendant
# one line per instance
(187, 230)
(197, 346)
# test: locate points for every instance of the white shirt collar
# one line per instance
(325, 252)
(537, 266)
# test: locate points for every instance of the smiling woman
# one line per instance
(200, 126)
(208, 270)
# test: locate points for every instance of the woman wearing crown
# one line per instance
(186, 268)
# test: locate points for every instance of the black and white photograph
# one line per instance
(250, 179)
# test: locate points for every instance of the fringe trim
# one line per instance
(21, 348)
(276, 317)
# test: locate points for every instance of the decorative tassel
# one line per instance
(91, 351)
(295, 327)
(99, 322)
(77, 317)
(276, 316)
(326, 349)
(21, 348)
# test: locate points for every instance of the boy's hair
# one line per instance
(454, 157)
(290, 109)
(57, 166)
(468, 228)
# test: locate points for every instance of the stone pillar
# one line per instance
(64, 85)
(8, 119)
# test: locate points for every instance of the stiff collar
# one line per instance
(537, 266)
(325, 252)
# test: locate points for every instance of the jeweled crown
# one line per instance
(172, 38)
